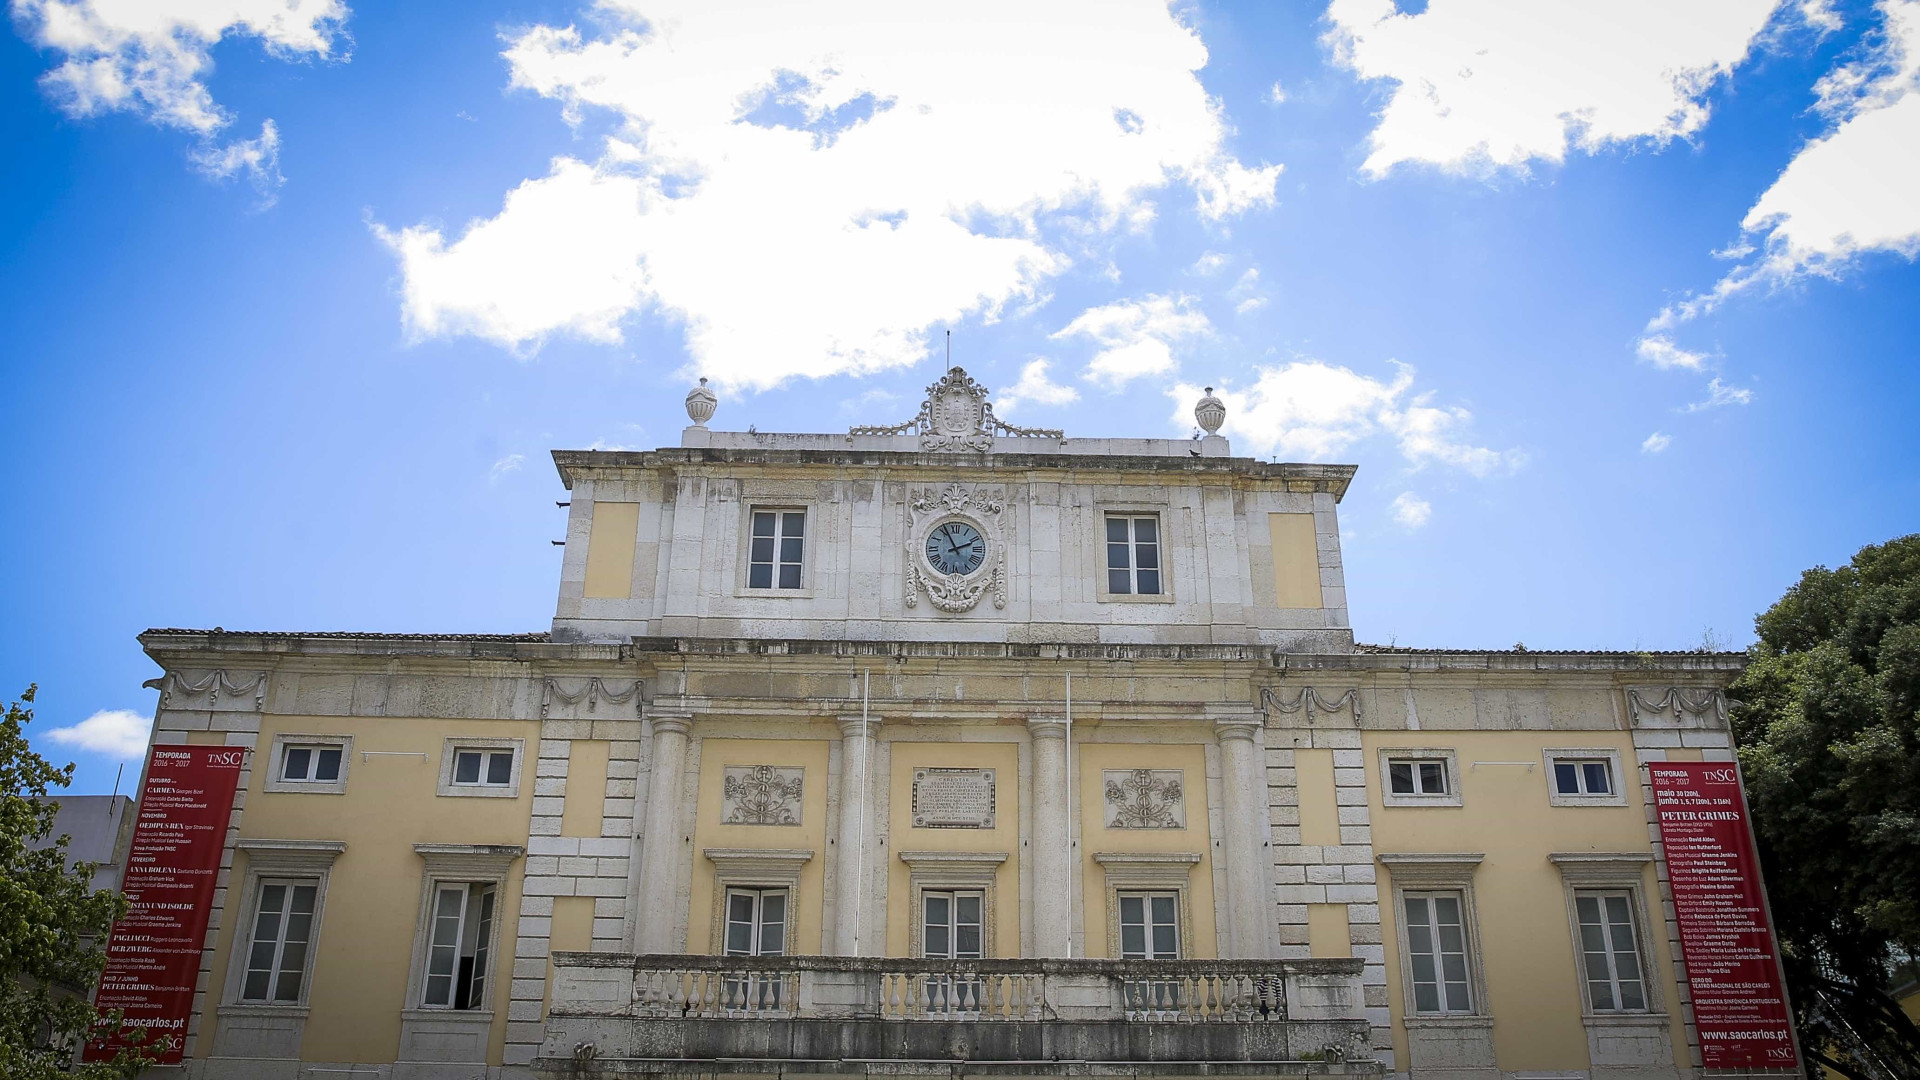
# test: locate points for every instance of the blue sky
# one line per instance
(1614, 304)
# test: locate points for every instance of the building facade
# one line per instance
(947, 746)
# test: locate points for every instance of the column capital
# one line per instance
(1229, 729)
(850, 726)
(671, 723)
(1046, 728)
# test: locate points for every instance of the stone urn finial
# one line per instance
(1211, 412)
(700, 404)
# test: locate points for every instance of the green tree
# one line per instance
(1825, 720)
(53, 924)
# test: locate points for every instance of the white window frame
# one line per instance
(779, 512)
(954, 922)
(1149, 923)
(454, 745)
(1133, 595)
(953, 871)
(291, 740)
(479, 912)
(1450, 763)
(469, 865)
(1441, 872)
(758, 924)
(1590, 872)
(755, 868)
(1617, 797)
(1148, 872)
(1431, 900)
(271, 861)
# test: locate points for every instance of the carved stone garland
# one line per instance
(956, 415)
(1310, 700)
(596, 689)
(172, 684)
(1710, 702)
(957, 592)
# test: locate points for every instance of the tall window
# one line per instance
(1133, 555)
(951, 925)
(282, 930)
(1149, 926)
(778, 548)
(756, 922)
(1609, 951)
(310, 764)
(460, 946)
(1437, 953)
(1583, 776)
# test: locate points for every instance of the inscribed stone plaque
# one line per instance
(1145, 798)
(953, 798)
(760, 795)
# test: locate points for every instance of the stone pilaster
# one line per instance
(1052, 863)
(855, 931)
(654, 919)
(1245, 841)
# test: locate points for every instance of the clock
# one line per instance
(956, 548)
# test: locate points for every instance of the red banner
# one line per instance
(1739, 996)
(153, 957)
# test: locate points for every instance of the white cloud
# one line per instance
(152, 58)
(1660, 351)
(1276, 94)
(1489, 84)
(1410, 510)
(1246, 292)
(1035, 386)
(1310, 410)
(1718, 394)
(806, 188)
(1655, 443)
(117, 733)
(1136, 337)
(509, 464)
(1210, 263)
(1852, 191)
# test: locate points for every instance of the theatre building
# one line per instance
(939, 748)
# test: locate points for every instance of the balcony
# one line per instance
(618, 1015)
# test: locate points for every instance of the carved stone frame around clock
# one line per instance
(981, 506)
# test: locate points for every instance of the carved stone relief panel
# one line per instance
(953, 798)
(1145, 798)
(761, 795)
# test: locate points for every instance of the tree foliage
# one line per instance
(1825, 718)
(53, 924)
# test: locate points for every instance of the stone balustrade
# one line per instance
(647, 1014)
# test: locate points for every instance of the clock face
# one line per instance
(955, 547)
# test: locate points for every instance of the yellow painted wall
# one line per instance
(715, 755)
(571, 931)
(1004, 759)
(610, 544)
(1525, 939)
(1090, 760)
(586, 787)
(367, 926)
(1296, 560)
(1319, 811)
(1328, 934)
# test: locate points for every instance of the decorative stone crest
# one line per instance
(1145, 798)
(978, 507)
(956, 415)
(1700, 706)
(761, 795)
